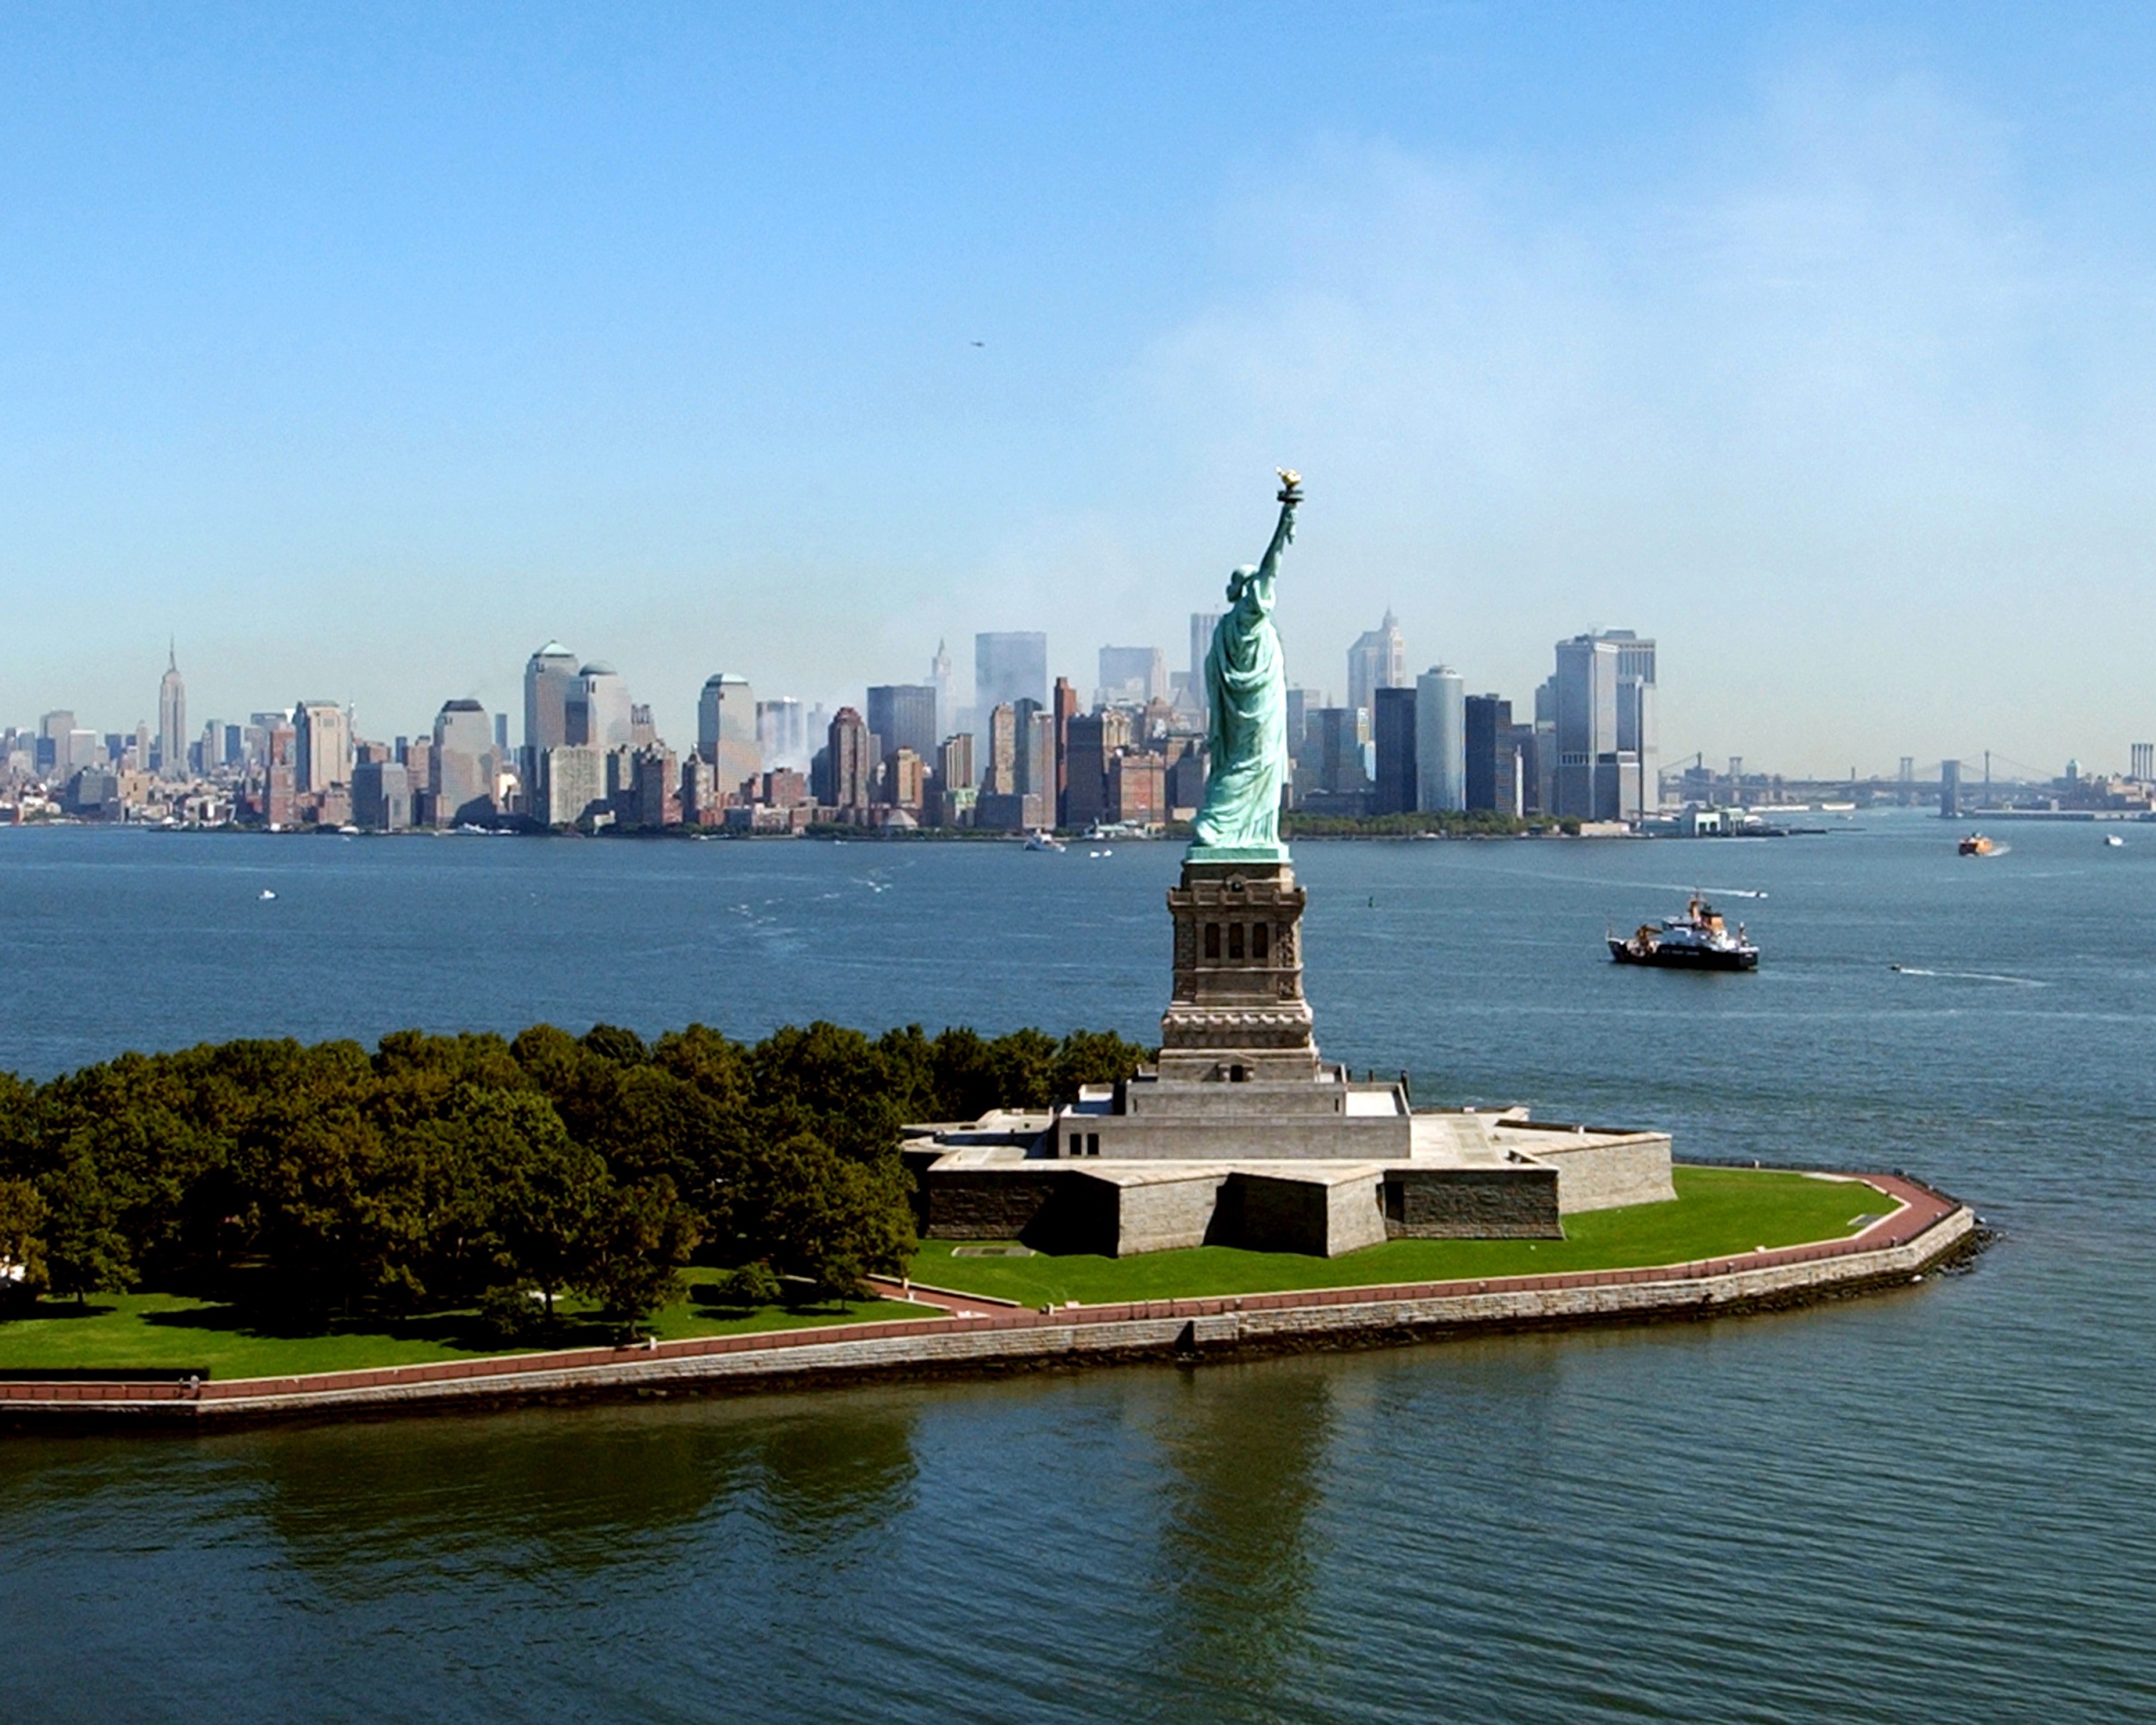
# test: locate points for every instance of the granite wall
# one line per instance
(1606, 1174)
(1521, 1201)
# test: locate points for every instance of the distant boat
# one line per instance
(1977, 844)
(1045, 841)
(1699, 940)
(2113, 841)
(266, 893)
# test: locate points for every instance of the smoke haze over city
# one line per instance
(363, 355)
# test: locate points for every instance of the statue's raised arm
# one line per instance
(1283, 534)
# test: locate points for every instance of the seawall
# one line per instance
(975, 1334)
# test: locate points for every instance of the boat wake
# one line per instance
(1710, 892)
(1968, 976)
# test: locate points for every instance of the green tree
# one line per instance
(828, 1219)
(339, 1216)
(827, 1081)
(1093, 1058)
(547, 1193)
(86, 1250)
(624, 1048)
(642, 1238)
(965, 1079)
(1025, 1068)
(20, 1133)
(22, 1220)
(549, 1056)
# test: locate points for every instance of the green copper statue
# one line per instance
(1246, 694)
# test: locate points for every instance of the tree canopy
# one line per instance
(444, 1170)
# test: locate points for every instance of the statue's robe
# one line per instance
(1246, 692)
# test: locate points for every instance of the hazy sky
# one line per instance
(362, 349)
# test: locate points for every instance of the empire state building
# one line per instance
(171, 721)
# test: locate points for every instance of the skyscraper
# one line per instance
(1607, 754)
(56, 731)
(1398, 790)
(574, 776)
(1332, 760)
(324, 758)
(1007, 669)
(1092, 741)
(549, 685)
(1639, 788)
(1545, 745)
(903, 716)
(461, 769)
(782, 732)
(1202, 625)
(1587, 727)
(1492, 755)
(2144, 762)
(381, 796)
(1377, 660)
(1440, 739)
(1130, 676)
(172, 718)
(1066, 707)
(939, 679)
(954, 786)
(849, 768)
(999, 755)
(727, 735)
(598, 709)
(1036, 761)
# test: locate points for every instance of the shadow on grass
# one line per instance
(711, 1300)
(466, 1332)
(45, 1311)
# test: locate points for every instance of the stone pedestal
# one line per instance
(1237, 1012)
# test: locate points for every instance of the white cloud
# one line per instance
(1841, 418)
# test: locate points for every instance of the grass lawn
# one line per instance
(1718, 1211)
(169, 1332)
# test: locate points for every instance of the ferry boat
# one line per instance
(1977, 844)
(1699, 940)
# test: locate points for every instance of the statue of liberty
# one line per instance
(1246, 696)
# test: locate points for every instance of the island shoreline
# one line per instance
(1929, 1233)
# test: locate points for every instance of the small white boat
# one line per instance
(1045, 840)
(2113, 841)
(265, 893)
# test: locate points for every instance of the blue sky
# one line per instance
(362, 349)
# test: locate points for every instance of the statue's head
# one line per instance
(1240, 579)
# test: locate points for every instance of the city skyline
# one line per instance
(590, 754)
(2119, 756)
(1726, 324)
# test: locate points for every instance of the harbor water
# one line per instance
(1931, 1504)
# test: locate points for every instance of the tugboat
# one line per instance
(1977, 844)
(1699, 940)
